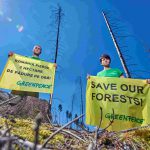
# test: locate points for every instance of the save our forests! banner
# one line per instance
(125, 101)
(28, 74)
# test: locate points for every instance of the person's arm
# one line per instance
(121, 74)
(55, 65)
(148, 81)
(88, 76)
(10, 54)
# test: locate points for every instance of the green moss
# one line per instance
(23, 128)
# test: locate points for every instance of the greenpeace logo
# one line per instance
(34, 85)
(124, 118)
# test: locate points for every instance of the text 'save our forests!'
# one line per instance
(128, 98)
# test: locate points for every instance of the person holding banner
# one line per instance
(37, 50)
(119, 103)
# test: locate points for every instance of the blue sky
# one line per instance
(84, 36)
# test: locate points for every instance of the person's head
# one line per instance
(105, 60)
(37, 50)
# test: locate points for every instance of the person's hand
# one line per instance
(88, 76)
(122, 76)
(55, 65)
(148, 81)
(10, 54)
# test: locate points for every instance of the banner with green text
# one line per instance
(27, 74)
(129, 98)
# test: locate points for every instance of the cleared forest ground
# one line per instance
(27, 134)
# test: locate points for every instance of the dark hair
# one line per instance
(104, 56)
